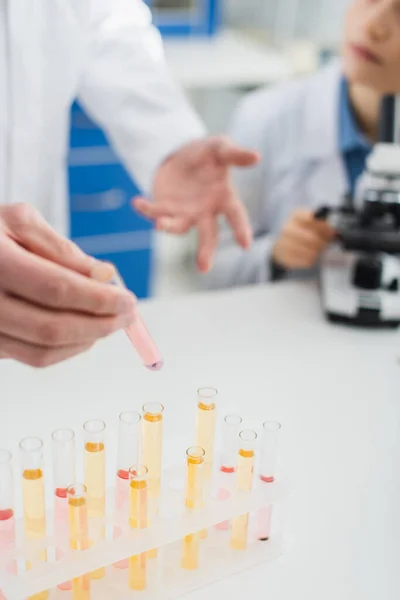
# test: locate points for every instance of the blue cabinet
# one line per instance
(186, 17)
(102, 220)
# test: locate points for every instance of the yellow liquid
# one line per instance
(78, 524)
(137, 572)
(95, 481)
(34, 513)
(240, 525)
(194, 482)
(152, 451)
(81, 588)
(138, 498)
(190, 552)
(193, 500)
(205, 435)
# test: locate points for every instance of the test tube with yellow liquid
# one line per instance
(33, 496)
(138, 519)
(79, 535)
(205, 433)
(194, 499)
(95, 476)
(152, 440)
(244, 483)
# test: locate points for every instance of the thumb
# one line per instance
(230, 154)
(27, 227)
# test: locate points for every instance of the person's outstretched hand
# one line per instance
(193, 187)
(50, 309)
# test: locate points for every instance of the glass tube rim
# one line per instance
(38, 446)
(271, 426)
(238, 420)
(125, 421)
(77, 490)
(138, 472)
(248, 435)
(65, 430)
(146, 408)
(194, 455)
(89, 426)
(211, 396)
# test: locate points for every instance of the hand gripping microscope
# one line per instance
(360, 271)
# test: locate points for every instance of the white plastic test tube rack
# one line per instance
(167, 579)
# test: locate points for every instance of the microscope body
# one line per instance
(360, 271)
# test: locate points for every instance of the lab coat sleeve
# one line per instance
(127, 88)
(234, 266)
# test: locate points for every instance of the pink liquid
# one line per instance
(121, 502)
(224, 494)
(144, 344)
(61, 527)
(7, 538)
(264, 516)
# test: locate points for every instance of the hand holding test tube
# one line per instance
(137, 332)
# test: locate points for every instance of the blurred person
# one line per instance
(107, 54)
(314, 136)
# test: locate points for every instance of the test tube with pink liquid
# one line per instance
(128, 454)
(267, 468)
(63, 447)
(228, 461)
(7, 518)
(137, 332)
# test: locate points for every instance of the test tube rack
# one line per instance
(24, 573)
(167, 580)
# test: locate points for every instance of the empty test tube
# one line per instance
(63, 453)
(33, 496)
(95, 475)
(244, 483)
(7, 517)
(137, 332)
(79, 535)
(228, 462)
(129, 436)
(138, 519)
(194, 499)
(268, 457)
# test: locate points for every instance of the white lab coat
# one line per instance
(294, 126)
(106, 53)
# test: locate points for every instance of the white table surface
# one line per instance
(229, 59)
(269, 351)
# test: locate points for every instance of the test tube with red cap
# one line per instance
(137, 332)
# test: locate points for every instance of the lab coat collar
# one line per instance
(321, 117)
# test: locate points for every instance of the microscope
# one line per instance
(360, 271)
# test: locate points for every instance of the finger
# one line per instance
(304, 236)
(173, 225)
(299, 256)
(42, 282)
(306, 218)
(29, 229)
(152, 211)
(230, 154)
(30, 323)
(238, 219)
(37, 356)
(207, 243)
